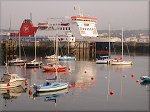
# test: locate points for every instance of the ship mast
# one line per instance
(78, 10)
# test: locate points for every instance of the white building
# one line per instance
(144, 39)
(131, 39)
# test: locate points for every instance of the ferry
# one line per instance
(69, 28)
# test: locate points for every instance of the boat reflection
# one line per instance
(85, 76)
(50, 96)
(70, 64)
(12, 93)
(145, 83)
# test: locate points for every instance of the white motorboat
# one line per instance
(10, 80)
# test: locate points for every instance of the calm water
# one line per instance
(90, 87)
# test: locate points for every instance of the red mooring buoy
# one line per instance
(8, 91)
(111, 93)
(132, 75)
(92, 78)
(30, 91)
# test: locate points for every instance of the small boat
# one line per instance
(17, 62)
(51, 87)
(10, 80)
(67, 58)
(14, 90)
(54, 86)
(103, 60)
(51, 93)
(33, 64)
(145, 78)
(106, 59)
(52, 57)
(53, 68)
(121, 61)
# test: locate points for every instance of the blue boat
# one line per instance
(145, 78)
(50, 87)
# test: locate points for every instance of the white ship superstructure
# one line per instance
(68, 28)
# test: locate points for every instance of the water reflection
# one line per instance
(11, 94)
(84, 75)
(50, 96)
(145, 83)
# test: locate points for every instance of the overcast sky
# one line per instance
(130, 14)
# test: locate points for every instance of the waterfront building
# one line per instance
(143, 39)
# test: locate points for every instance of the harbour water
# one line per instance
(93, 87)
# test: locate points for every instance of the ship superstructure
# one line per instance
(68, 28)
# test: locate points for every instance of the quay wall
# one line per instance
(82, 50)
(133, 47)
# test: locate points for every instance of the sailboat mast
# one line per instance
(109, 40)
(57, 46)
(68, 46)
(19, 47)
(57, 52)
(35, 47)
(122, 42)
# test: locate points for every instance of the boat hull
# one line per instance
(54, 69)
(54, 87)
(11, 84)
(105, 61)
(33, 65)
(65, 58)
(17, 62)
(52, 57)
(121, 63)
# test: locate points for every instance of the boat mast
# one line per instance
(109, 40)
(56, 48)
(122, 42)
(19, 47)
(56, 51)
(35, 47)
(68, 46)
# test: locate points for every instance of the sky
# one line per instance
(130, 14)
